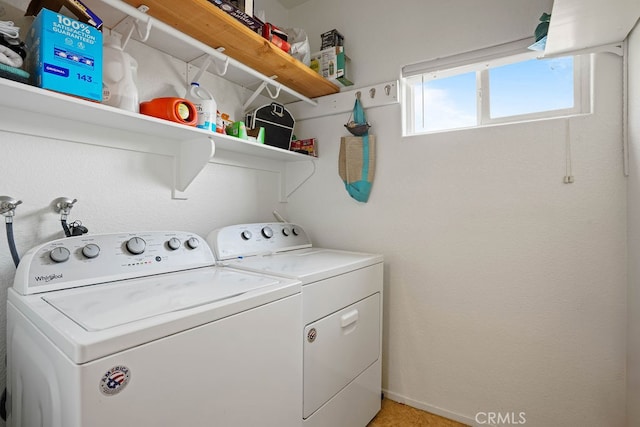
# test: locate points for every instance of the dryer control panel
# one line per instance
(243, 240)
(94, 259)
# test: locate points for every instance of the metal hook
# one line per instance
(136, 25)
(147, 30)
(358, 95)
(271, 94)
(387, 89)
(372, 92)
(222, 70)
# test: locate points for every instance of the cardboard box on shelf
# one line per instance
(254, 23)
(331, 64)
(276, 36)
(65, 55)
(331, 39)
(305, 146)
(244, 5)
(76, 7)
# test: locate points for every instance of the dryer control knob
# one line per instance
(267, 232)
(193, 243)
(59, 254)
(295, 231)
(136, 245)
(91, 250)
(173, 243)
(246, 235)
(285, 232)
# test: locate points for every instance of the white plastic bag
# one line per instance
(299, 42)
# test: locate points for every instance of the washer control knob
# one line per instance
(136, 245)
(91, 250)
(173, 243)
(59, 254)
(267, 232)
(295, 231)
(286, 232)
(246, 235)
(193, 243)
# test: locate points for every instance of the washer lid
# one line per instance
(308, 265)
(97, 308)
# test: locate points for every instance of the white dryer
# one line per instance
(142, 329)
(342, 315)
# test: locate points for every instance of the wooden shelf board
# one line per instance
(205, 22)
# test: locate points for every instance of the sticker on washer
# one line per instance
(115, 380)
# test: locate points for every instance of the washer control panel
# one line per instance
(254, 239)
(93, 259)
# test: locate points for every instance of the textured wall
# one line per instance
(633, 358)
(505, 288)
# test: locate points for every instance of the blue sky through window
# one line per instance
(448, 103)
(531, 86)
(520, 88)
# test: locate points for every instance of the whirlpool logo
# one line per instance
(48, 278)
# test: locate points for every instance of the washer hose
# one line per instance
(3, 405)
(12, 243)
(65, 227)
(16, 261)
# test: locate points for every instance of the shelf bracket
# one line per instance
(190, 159)
(284, 196)
(264, 85)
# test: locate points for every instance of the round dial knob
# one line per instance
(267, 232)
(193, 243)
(173, 243)
(286, 232)
(295, 231)
(59, 254)
(136, 245)
(91, 250)
(246, 235)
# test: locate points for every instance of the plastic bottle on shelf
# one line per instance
(119, 75)
(205, 105)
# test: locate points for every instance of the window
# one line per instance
(498, 85)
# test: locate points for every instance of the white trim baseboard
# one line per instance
(430, 408)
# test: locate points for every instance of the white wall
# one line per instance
(633, 298)
(504, 288)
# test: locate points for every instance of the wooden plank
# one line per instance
(205, 22)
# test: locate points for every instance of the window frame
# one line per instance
(581, 91)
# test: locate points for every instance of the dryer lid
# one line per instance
(308, 265)
(97, 308)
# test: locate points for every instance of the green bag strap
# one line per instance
(358, 113)
(360, 118)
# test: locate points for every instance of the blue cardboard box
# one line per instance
(65, 55)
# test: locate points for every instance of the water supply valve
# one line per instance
(8, 207)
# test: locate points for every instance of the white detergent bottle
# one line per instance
(205, 105)
(119, 75)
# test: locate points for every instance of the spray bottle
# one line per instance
(205, 104)
(119, 74)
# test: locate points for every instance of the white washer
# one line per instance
(142, 329)
(342, 315)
